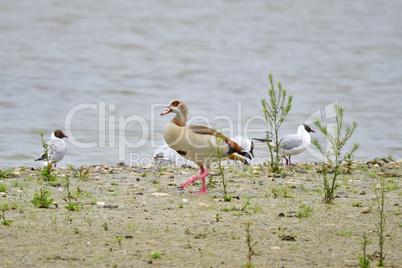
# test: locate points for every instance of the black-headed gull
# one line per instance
(56, 148)
(294, 143)
(165, 154)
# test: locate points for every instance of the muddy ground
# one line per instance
(137, 217)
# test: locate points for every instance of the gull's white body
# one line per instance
(294, 143)
(57, 149)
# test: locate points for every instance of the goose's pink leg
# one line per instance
(204, 173)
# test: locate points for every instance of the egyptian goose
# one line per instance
(294, 143)
(194, 143)
(56, 148)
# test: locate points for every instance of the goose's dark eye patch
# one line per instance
(175, 103)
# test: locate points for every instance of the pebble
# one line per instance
(100, 204)
(203, 205)
(275, 248)
(378, 186)
(362, 193)
(366, 210)
(332, 226)
(160, 194)
(292, 183)
(351, 263)
(184, 200)
(152, 190)
(3, 194)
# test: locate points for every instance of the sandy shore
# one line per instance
(137, 217)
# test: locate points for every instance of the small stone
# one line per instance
(351, 263)
(289, 238)
(362, 193)
(160, 194)
(378, 186)
(292, 183)
(152, 190)
(376, 166)
(332, 226)
(275, 248)
(172, 184)
(100, 204)
(121, 164)
(203, 205)
(184, 200)
(366, 210)
(3, 194)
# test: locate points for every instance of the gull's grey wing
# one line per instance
(57, 149)
(289, 142)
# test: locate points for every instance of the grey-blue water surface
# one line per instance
(110, 67)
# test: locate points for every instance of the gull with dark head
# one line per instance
(294, 143)
(56, 149)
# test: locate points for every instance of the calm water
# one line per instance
(106, 67)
